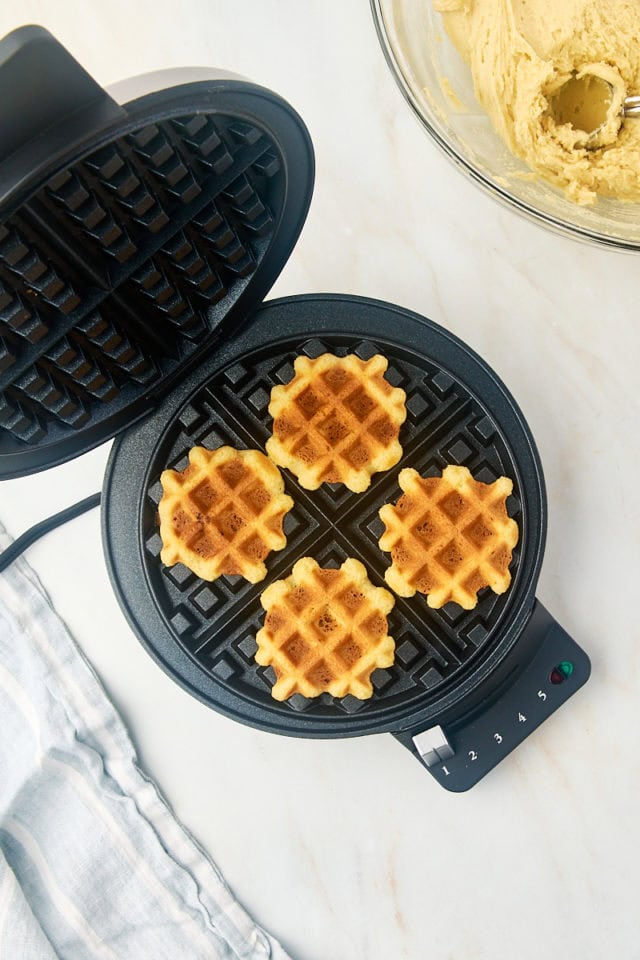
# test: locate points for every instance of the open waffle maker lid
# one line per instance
(131, 239)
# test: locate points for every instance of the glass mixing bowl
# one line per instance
(437, 85)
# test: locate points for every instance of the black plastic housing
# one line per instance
(524, 691)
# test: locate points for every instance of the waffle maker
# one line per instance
(136, 245)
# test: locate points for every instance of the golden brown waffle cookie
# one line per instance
(223, 513)
(449, 536)
(325, 631)
(337, 421)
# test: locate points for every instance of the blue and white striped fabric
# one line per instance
(93, 865)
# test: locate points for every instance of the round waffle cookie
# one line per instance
(325, 631)
(223, 513)
(337, 421)
(449, 536)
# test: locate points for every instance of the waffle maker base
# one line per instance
(457, 674)
(138, 237)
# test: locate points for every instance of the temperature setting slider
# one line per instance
(433, 746)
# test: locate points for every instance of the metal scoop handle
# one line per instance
(631, 107)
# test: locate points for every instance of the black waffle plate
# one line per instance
(214, 624)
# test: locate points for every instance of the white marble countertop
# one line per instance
(348, 848)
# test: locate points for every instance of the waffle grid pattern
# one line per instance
(217, 623)
(448, 537)
(337, 421)
(116, 270)
(325, 631)
(223, 514)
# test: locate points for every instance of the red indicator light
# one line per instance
(556, 676)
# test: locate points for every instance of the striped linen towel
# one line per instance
(93, 865)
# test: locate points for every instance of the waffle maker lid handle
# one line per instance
(48, 101)
(144, 308)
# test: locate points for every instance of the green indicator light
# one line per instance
(566, 667)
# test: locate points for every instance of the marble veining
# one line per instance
(348, 849)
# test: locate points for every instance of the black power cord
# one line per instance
(34, 533)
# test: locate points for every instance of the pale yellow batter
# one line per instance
(522, 53)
